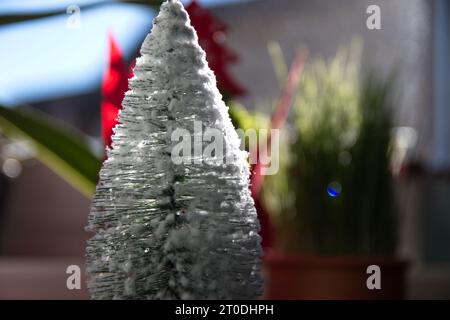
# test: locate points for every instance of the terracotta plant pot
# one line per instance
(294, 277)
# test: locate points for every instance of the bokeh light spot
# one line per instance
(12, 168)
(334, 189)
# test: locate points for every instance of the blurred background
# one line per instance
(357, 88)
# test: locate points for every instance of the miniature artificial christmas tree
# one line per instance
(164, 229)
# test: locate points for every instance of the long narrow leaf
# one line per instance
(59, 147)
(21, 17)
(279, 116)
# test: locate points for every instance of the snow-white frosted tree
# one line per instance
(164, 230)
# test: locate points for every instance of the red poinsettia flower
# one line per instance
(114, 86)
(211, 33)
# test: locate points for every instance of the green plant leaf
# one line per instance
(21, 17)
(62, 149)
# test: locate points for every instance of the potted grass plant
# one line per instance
(332, 200)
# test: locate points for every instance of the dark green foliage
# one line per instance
(361, 219)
